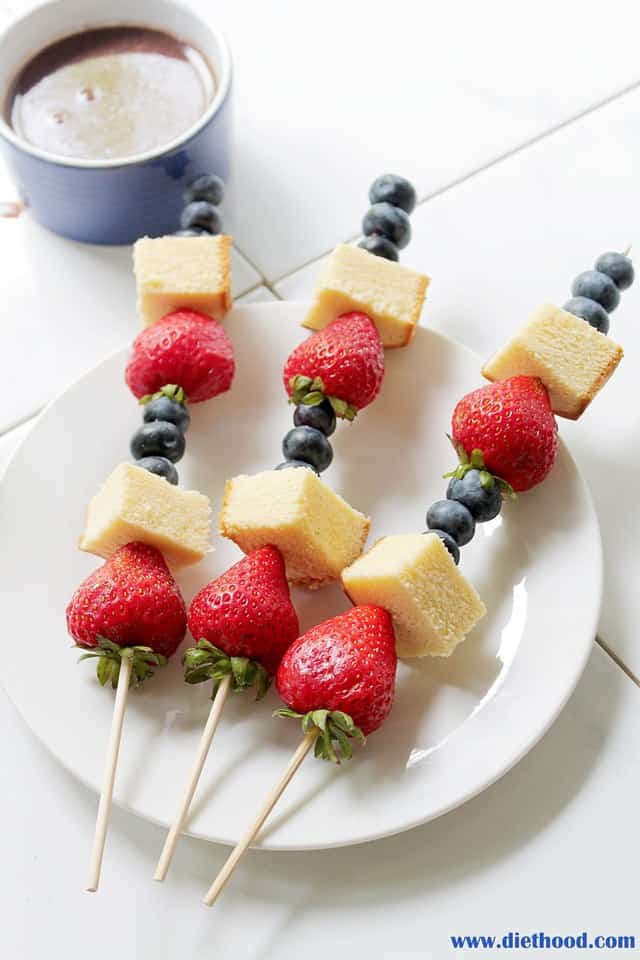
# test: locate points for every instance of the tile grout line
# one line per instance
(513, 151)
(617, 660)
(263, 280)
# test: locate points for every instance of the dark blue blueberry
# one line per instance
(205, 187)
(597, 286)
(191, 232)
(483, 503)
(590, 311)
(203, 215)
(390, 188)
(321, 417)
(289, 464)
(160, 466)
(618, 267)
(390, 222)
(164, 408)
(309, 445)
(452, 517)
(449, 543)
(380, 247)
(158, 439)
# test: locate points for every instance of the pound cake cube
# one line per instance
(316, 531)
(572, 358)
(353, 279)
(414, 577)
(174, 272)
(135, 505)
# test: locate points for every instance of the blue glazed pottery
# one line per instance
(115, 202)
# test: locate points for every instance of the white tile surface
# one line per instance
(260, 294)
(551, 846)
(330, 94)
(65, 307)
(516, 235)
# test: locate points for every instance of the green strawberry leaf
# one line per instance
(486, 480)
(342, 409)
(103, 670)
(313, 398)
(109, 656)
(475, 461)
(171, 390)
(334, 729)
(207, 662)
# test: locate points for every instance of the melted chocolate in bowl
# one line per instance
(110, 93)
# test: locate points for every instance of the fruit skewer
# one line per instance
(333, 374)
(130, 616)
(507, 427)
(338, 679)
(366, 303)
(129, 613)
(244, 622)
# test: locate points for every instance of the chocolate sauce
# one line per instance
(110, 93)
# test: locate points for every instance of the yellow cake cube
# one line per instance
(414, 577)
(174, 272)
(353, 279)
(134, 504)
(572, 358)
(316, 531)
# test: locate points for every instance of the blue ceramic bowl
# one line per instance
(113, 202)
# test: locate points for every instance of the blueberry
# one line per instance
(295, 463)
(449, 543)
(191, 232)
(452, 517)
(205, 187)
(164, 408)
(618, 267)
(590, 311)
(160, 466)
(158, 439)
(321, 417)
(203, 215)
(309, 445)
(597, 286)
(483, 503)
(380, 247)
(391, 222)
(390, 188)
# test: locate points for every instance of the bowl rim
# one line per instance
(223, 75)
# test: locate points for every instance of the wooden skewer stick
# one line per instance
(225, 873)
(113, 748)
(627, 251)
(173, 836)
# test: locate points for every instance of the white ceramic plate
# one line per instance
(457, 724)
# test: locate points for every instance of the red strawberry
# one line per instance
(130, 601)
(343, 363)
(511, 423)
(247, 612)
(340, 676)
(185, 348)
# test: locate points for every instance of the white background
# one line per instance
(519, 124)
